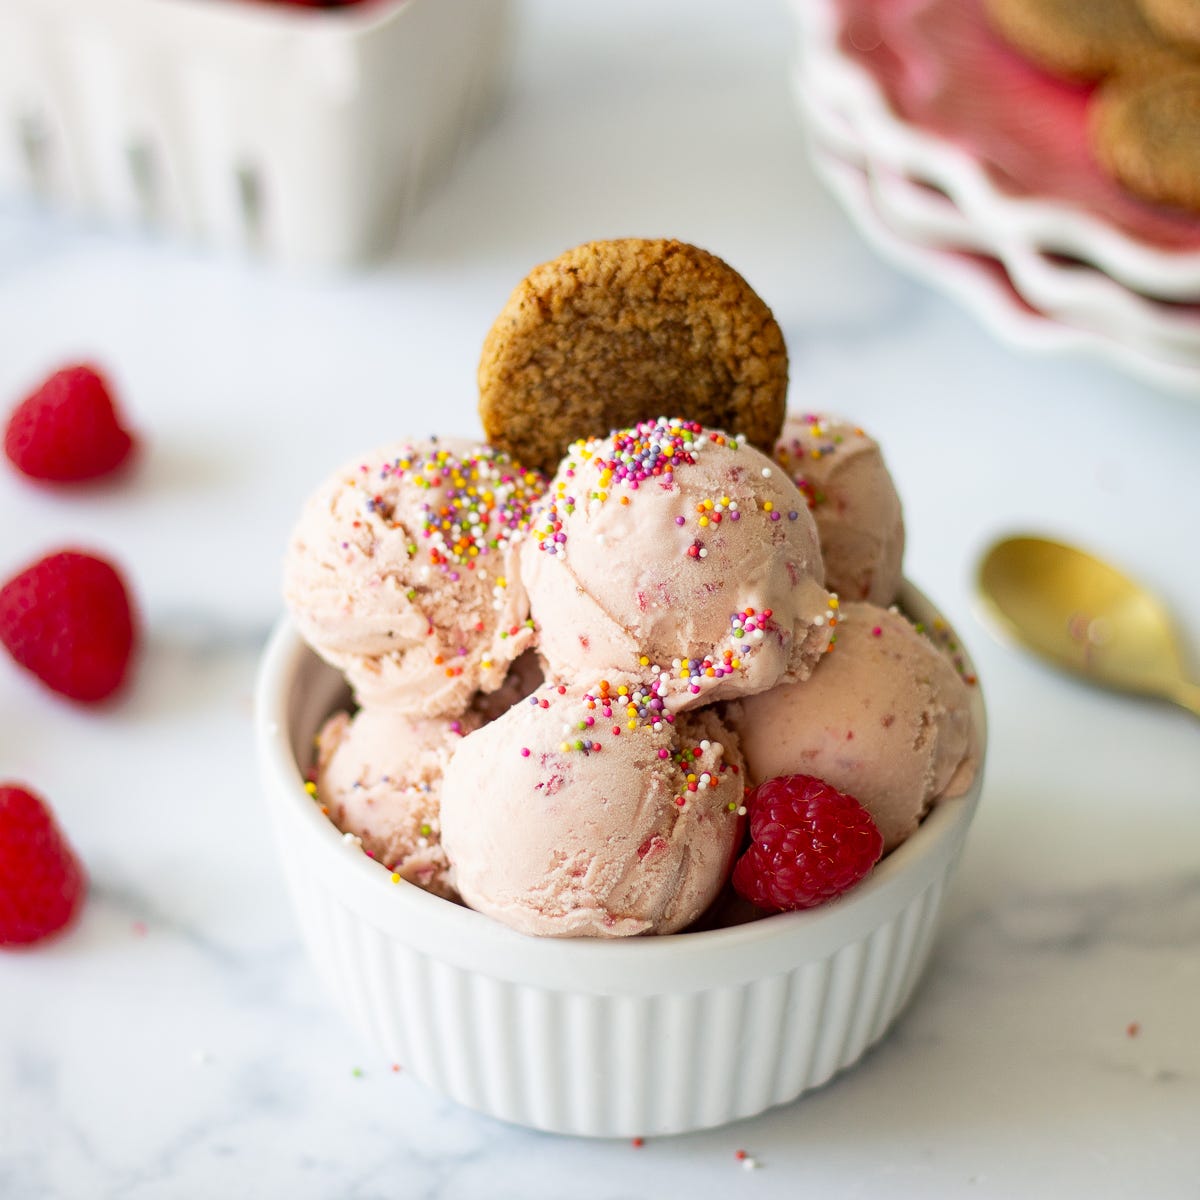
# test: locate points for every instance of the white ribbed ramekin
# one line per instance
(644, 1036)
(297, 135)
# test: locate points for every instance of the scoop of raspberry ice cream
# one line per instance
(592, 813)
(676, 551)
(885, 718)
(379, 777)
(842, 475)
(401, 572)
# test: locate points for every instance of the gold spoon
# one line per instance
(1084, 616)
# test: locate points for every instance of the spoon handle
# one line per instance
(1187, 695)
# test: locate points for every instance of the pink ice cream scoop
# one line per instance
(379, 776)
(885, 718)
(676, 551)
(591, 813)
(853, 500)
(401, 573)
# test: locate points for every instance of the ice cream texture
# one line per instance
(401, 573)
(379, 778)
(565, 687)
(675, 552)
(594, 812)
(841, 472)
(886, 718)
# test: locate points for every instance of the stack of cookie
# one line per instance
(1145, 55)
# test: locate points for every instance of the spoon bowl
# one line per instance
(1084, 616)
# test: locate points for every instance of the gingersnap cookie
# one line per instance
(1175, 20)
(1084, 40)
(1146, 134)
(616, 332)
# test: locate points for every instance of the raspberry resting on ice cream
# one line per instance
(808, 843)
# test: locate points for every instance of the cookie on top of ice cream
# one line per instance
(401, 572)
(676, 551)
(614, 332)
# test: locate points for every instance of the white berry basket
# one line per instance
(641, 1036)
(303, 136)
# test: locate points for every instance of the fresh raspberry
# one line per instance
(67, 618)
(68, 430)
(42, 884)
(808, 843)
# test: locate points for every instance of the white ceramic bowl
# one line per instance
(645, 1036)
(297, 135)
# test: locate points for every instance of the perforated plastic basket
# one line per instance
(302, 135)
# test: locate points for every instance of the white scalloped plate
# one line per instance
(980, 282)
(1042, 226)
(1071, 292)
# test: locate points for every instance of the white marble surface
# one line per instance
(176, 1044)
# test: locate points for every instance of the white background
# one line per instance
(176, 1044)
